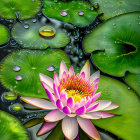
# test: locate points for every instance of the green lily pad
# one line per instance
(11, 128)
(27, 35)
(70, 11)
(26, 80)
(126, 124)
(133, 80)
(116, 7)
(4, 34)
(116, 45)
(25, 9)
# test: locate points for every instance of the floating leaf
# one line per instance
(24, 9)
(27, 35)
(77, 12)
(31, 63)
(4, 34)
(133, 80)
(10, 128)
(127, 124)
(116, 45)
(116, 7)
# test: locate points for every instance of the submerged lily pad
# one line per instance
(4, 34)
(11, 128)
(27, 34)
(116, 45)
(26, 82)
(24, 9)
(126, 124)
(116, 7)
(133, 80)
(77, 12)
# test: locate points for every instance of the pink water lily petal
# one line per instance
(95, 76)
(56, 93)
(54, 116)
(82, 75)
(102, 104)
(64, 97)
(81, 110)
(86, 70)
(70, 102)
(87, 126)
(59, 104)
(92, 107)
(56, 79)
(49, 94)
(70, 127)
(88, 103)
(97, 115)
(95, 97)
(71, 115)
(71, 71)
(40, 103)
(77, 105)
(62, 69)
(66, 110)
(112, 106)
(49, 81)
(47, 126)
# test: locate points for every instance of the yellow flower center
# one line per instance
(76, 94)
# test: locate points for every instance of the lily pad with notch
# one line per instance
(133, 80)
(31, 35)
(11, 128)
(26, 82)
(115, 45)
(4, 34)
(114, 8)
(77, 12)
(22, 9)
(127, 114)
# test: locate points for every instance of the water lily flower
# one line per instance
(72, 100)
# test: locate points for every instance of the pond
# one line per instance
(69, 69)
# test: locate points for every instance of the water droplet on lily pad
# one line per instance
(81, 13)
(26, 26)
(96, 5)
(64, 13)
(16, 107)
(10, 96)
(16, 68)
(47, 31)
(34, 20)
(50, 68)
(19, 77)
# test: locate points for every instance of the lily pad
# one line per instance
(126, 124)
(4, 34)
(133, 80)
(116, 45)
(27, 35)
(116, 7)
(26, 81)
(11, 128)
(24, 9)
(77, 12)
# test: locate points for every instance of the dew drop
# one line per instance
(50, 68)
(47, 31)
(26, 26)
(34, 20)
(64, 13)
(16, 68)
(96, 5)
(19, 77)
(10, 96)
(81, 13)
(16, 107)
